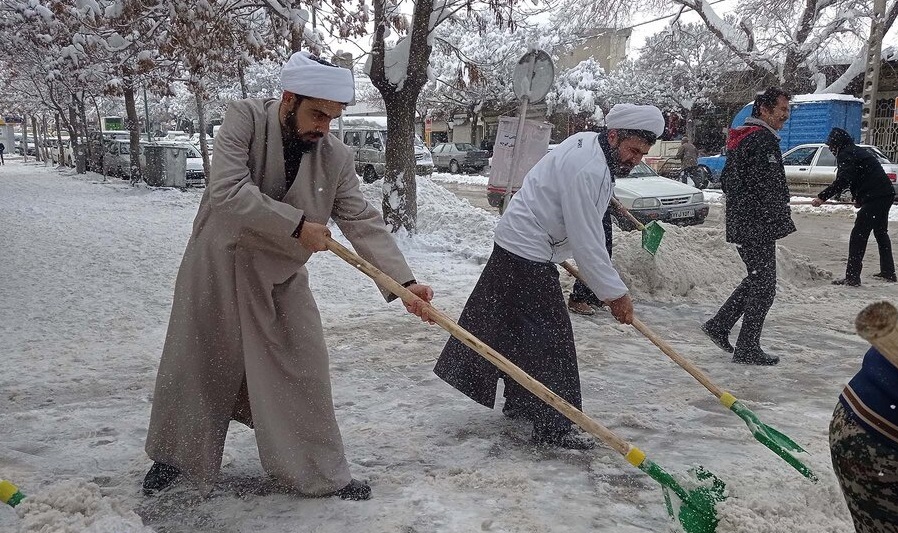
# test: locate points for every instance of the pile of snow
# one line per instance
(467, 179)
(697, 263)
(693, 262)
(446, 223)
(77, 507)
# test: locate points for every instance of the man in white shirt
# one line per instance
(517, 306)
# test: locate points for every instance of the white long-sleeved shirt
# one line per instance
(558, 213)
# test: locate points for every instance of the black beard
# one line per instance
(296, 142)
(612, 157)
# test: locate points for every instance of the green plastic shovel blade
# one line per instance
(651, 237)
(779, 443)
(697, 512)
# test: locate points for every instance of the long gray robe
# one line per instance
(245, 340)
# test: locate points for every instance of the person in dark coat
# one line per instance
(517, 306)
(757, 215)
(858, 170)
(583, 301)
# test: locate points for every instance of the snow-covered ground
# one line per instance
(86, 284)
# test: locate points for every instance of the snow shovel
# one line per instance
(10, 494)
(779, 443)
(651, 234)
(696, 513)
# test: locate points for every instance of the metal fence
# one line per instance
(885, 129)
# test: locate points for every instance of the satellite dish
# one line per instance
(533, 76)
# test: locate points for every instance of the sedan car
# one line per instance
(811, 167)
(649, 196)
(459, 156)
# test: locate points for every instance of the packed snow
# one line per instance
(87, 281)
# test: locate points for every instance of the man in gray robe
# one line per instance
(245, 340)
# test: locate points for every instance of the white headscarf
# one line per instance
(306, 77)
(635, 117)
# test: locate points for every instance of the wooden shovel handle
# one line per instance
(491, 355)
(620, 207)
(802, 202)
(663, 346)
(878, 324)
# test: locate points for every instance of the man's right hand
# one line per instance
(314, 236)
(622, 309)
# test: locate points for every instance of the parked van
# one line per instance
(367, 138)
(117, 160)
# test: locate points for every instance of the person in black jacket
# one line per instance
(858, 170)
(757, 214)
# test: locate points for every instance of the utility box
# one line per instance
(504, 167)
(166, 166)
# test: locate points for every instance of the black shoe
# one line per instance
(160, 477)
(516, 413)
(356, 490)
(754, 357)
(720, 338)
(848, 282)
(570, 439)
(893, 278)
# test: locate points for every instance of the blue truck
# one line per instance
(812, 117)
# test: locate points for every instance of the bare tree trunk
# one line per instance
(204, 149)
(132, 121)
(400, 206)
(37, 142)
(46, 136)
(61, 160)
(242, 75)
(400, 203)
(78, 141)
(82, 122)
(25, 138)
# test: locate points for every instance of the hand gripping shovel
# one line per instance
(651, 234)
(779, 443)
(696, 512)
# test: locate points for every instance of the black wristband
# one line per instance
(298, 229)
(407, 284)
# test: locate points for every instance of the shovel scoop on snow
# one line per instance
(652, 233)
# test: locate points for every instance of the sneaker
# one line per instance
(580, 308)
(893, 278)
(755, 357)
(718, 337)
(356, 490)
(160, 477)
(570, 439)
(848, 282)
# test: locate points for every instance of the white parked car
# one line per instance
(813, 166)
(649, 196)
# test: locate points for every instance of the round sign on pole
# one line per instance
(533, 76)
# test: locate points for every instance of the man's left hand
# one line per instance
(817, 202)
(420, 307)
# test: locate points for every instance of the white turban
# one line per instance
(306, 77)
(635, 117)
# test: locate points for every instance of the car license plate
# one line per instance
(686, 213)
